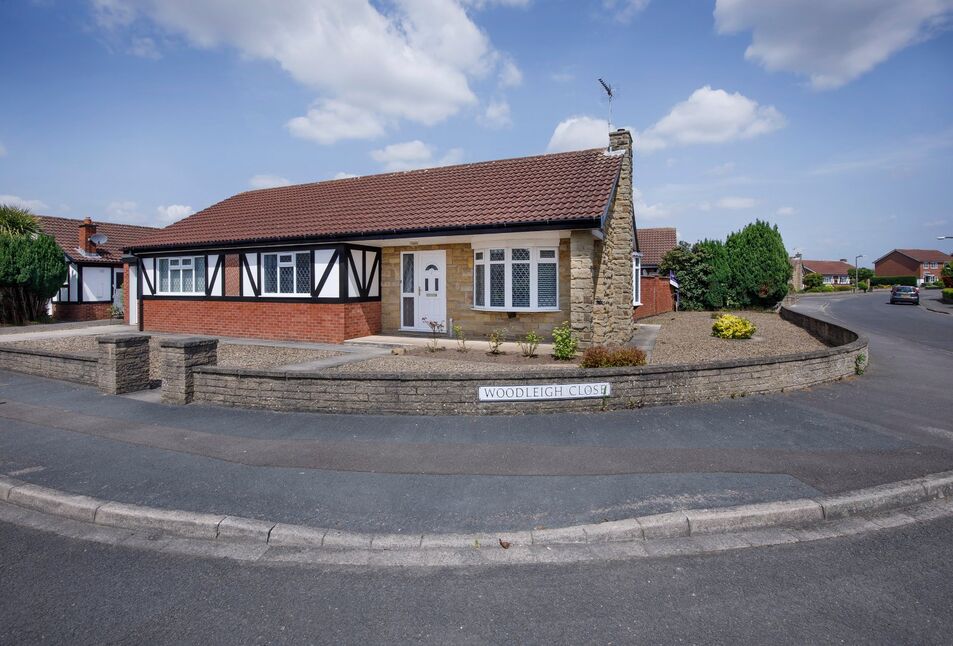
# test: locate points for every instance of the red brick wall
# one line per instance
(896, 264)
(81, 311)
(316, 322)
(232, 275)
(657, 297)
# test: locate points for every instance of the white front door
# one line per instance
(423, 289)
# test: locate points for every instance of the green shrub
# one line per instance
(946, 274)
(564, 343)
(910, 281)
(729, 326)
(843, 288)
(529, 343)
(820, 290)
(934, 285)
(601, 357)
(760, 266)
(496, 339)
(948, 294)
(813, 281)
(460, 336)
(32, 270)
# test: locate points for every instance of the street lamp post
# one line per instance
(857, 271)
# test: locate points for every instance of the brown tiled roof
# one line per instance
(826, 267)
(922, 255)
(530, 190)
(119, 236)
(655, 243)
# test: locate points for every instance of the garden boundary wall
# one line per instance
(442, 394)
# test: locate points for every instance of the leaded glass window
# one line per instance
(407, 273)
(287, 273)
(200, 274)
(303, 273)
(163, 274)
(518, 278)
(271, 274)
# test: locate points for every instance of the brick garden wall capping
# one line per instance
(54, 365)
(457, 393)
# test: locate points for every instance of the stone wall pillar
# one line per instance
(123, 363)
(178, 357)
(582, 285)
(613, 291)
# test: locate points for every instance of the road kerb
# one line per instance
(783, 515)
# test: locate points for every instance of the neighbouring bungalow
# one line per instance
(833, 272)
(94, 254)
(653, 292)
(521, 244)
(925, 264)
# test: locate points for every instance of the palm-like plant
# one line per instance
(17, 221)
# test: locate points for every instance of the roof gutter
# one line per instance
(579, 223)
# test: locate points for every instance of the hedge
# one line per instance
(948, 294)
(894, 280)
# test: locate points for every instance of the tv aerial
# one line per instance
(610, 94)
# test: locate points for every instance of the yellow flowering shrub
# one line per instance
(729, 326)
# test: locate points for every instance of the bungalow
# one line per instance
(94, 254)
(653, 292)
(925, 264)
(516, 244)
(834, 272)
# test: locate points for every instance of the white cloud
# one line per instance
(173, 213)
(413, 154)
(497, 115)
(625, 10)
(510, 74)
(645, 211)
(24, 203)
(268, 181)
(124, 211)
(735, 203)
(343, 175)
(721, 170)
(786, 210)
(709, 117)
(144, 47)
(372, 68)
(579, 133)
(831, 43)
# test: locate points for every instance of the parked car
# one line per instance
(904, 294)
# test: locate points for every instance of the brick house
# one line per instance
(653, 293)
(95, 270)
(522, 244)
(834, 272)
(925, 264)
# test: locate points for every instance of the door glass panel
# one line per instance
(407, 273)
(408, 313)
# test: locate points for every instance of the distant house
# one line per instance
(834, 272)
(925, 264)
(653, 293)
(94, 253)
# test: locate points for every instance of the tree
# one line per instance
(718, 289)
(947, 274)
(759, 264)
(17, 221)
(32, 267)
(864, 273)
(691, 268)
(813, 281)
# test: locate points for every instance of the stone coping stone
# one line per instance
(36, 352)
(561, 374)
(187, 342)
(123, 339)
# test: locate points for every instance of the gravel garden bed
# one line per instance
(685, 337)
(234, 355)
(452, 361)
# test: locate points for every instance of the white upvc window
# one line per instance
(286, 273)
(516, 279)
(636, 279)
(182, 276)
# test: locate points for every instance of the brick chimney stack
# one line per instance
(86, 231)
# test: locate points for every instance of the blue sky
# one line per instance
(835, 122)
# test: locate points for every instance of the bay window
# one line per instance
(287, 274)
(184, 275)
(516, 278)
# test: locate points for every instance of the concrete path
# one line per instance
(55, 327)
